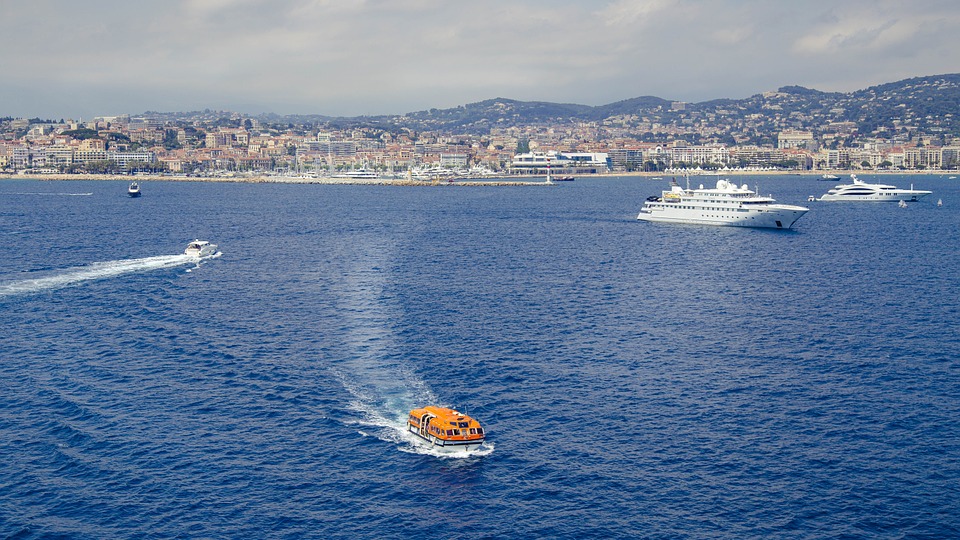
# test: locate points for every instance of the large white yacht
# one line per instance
(862, 191)
(727, 204)
(362, 173)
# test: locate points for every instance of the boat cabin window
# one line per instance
(463, 424)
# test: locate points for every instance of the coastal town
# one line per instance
(885, 128)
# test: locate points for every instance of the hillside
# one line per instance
(928, 105)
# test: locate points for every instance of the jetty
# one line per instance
(270, 179)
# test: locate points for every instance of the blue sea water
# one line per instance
(636, 380)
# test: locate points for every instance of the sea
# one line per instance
(635, 380)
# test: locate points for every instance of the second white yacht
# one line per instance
(862, 191)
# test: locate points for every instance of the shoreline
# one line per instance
(498, 181)
(506, 180)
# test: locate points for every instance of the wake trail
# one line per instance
(49, 194)
(372, 367)
(94, 271)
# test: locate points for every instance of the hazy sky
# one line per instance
(70, 59)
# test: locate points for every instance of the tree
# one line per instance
(102, 167)
(82, 133)
(170, 140)
(651, 166)
(523, 146)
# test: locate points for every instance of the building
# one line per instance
(699, 155)
(582, 162)
(453, 161)
(123, 159)
(796, 139)
(950, 157)
(922, 158)
(59, 156)
(625, 159)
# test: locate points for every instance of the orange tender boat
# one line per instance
(447, 429)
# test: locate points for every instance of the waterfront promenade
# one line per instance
(491, 181)
(262, 179)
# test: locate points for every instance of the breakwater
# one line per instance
(281, 180)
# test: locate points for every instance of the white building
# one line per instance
(795, 139)
(124, 158)
(700, 155)
(537, 162)
(453, 161)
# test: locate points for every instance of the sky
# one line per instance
(70, 59)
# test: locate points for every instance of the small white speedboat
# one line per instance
(134, 190)
(200, 248)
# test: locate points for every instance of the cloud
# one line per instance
(625, 12)
(889, 27)
(854, 34)
(394, 56)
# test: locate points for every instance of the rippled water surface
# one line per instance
(635, 379)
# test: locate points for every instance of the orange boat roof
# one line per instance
(445, 415)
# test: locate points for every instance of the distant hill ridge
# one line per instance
(906, 100)
(929, 104)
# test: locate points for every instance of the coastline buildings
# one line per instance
(101, 145)
(765, 131)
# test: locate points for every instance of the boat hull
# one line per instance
(769, 218)
(206, 252)
(893, 196)
(447, 446)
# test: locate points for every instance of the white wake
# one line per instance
(93, 271)
(373, 368)
(50, 194)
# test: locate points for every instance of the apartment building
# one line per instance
(922, 158)
(624, 159)
(796, 139)
(454, 160)
(125, 158)
(699, 155)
